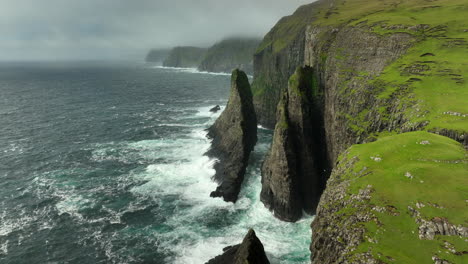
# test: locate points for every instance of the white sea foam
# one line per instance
(205, 112)
(191, 70)
(189, 178)
(71, 204)
(4, 248)
(262, 127)
(180, 177)
(280, 238)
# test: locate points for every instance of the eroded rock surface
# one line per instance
(292, 174)
(249, 251)
(234, 136)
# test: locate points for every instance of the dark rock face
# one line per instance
(271, 74)
(234, 136)
(347, 93)
(324, 247)
(229, 253)
(347, 61)
(338, 55)
(293, 172)
(276, 59)
(249, 251)
(215, 109)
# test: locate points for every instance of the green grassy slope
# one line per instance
(419, 170)
(436, 67)
(404, 170)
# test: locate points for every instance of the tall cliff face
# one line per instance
(185, 57)
(372, 83)
(234, 135)
(349, 60)
(293, 171)
(276, 59)
(382, 74)
(230, 54)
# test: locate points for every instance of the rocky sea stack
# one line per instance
(249, 251)
(293, 174)
(234, 136)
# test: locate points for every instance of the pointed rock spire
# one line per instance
(249, 251)
(234, 136)
(291, 175)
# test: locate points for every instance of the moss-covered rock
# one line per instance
(293, 171)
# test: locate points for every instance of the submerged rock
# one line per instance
(291, 175)
(234, 136)
(249, 251)
(215, 109)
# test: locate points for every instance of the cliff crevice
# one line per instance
(296, 168)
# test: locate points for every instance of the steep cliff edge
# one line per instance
(229, 54)
(377, 67)
(293, 170)
(185, 57)
(386, 68)
(401, 199)
(276, 59)
(249, 251)
(233, 135)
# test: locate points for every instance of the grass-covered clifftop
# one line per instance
(434, 70)
(387, 68)
(185, 57)
(230, 54)
(401, 199)
(438, 29)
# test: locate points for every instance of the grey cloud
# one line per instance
(123, 29)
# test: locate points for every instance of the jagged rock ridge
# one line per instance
(234, 136)
(249, 251)
(294, 171)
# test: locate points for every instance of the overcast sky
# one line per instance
(126, 29)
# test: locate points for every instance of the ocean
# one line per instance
(104, 163)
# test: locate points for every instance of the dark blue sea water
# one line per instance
(103, 163)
